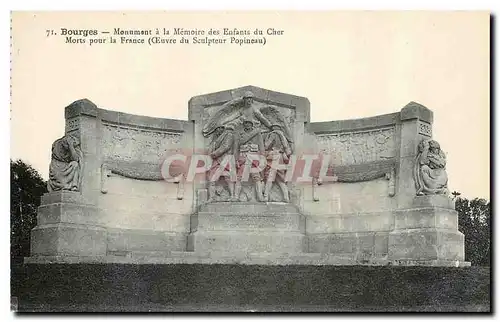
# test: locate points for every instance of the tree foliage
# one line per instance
(474, 221)
(26, 190)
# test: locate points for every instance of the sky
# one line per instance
(348, 64)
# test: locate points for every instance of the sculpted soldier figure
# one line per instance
(278, 151)
(430, 173)
(65, 166)
(243, 112)
(236, 110)
(223, 144)
(250, 146)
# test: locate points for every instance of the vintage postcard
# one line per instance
(250, 161)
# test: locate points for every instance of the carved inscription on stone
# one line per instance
(136, 144)
(424, 129)
(359, 147)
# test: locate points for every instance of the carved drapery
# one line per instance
(359, 156)
(139, 172)
(430, 169)
(137, 153)
(65, 170)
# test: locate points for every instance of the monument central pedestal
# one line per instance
(247, 227)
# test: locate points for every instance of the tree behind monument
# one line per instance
(27, 187)
(474, 220)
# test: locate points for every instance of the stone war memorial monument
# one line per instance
(247, 179)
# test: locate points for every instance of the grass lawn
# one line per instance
(254, 288)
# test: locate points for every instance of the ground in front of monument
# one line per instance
(249, 288)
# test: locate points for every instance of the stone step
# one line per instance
(197, 258)
(347, 257)
(155, 254)
(238, 258)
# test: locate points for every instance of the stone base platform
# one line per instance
(273, 259)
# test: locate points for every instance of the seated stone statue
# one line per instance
(65, 166)
(430, 172)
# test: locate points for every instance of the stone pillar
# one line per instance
(196, 106)
(68, 221)
(416, 124)
(425, 227)
(82, 121)
(302, 118)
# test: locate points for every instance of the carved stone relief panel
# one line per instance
(359, 147)
(244, 129)
(273, 113)
(136, 153)
(359, 156)
(424, 128)
(136, 144)
(72, 124)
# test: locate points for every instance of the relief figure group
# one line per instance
(240, 132)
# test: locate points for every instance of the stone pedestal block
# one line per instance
(246, 242)
(437, 201)
(427, 232)
(67, 213)
(68, 226)
(278, 217)
(429, 217)
(424, 244)
(247, 227)
(63, 239)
